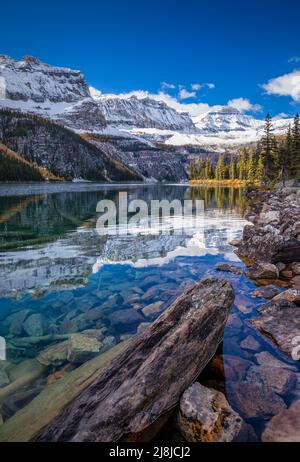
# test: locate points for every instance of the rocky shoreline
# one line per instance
(270, 247)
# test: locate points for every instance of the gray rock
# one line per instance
(290, 295)
(205, 416)
(295, 267)
(36, 325)
(82, 348)
(279, 321)
(263, 270)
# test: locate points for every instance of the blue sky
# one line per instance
(227, 48)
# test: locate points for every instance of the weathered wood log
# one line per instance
(146, 381)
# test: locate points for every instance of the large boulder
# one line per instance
(263, 243)
(205, 415)
(132, 396)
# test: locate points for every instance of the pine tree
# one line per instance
(192, 170)
(251, 166)
(260, 170)
(200, 175)
(221, 168)
(289, 152)
(232, 168)
(242, 165)
(268, 147)
(283, 161)
(208, 169)
(296, 147)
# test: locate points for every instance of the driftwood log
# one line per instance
(142, 384)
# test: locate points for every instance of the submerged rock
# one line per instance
(266, 292)
(278, 379)
(205, 415)
(285, 426)
(82, 347)
(229, 268)
(254, 400)
(179, 344)
(153, 309)
(16, 321)
(266, 359)
(279, 321)
(54, 355)
(125, 318)
(36, 325)
(230, 367)
(250, 343)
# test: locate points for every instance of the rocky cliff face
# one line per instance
(149, 161)
(60, 151)
(132, 112)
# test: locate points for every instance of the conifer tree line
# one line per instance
(271, 160)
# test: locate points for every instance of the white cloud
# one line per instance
(285, 85)
(210, 85)
(170, 86)
(196, 86)
(294, 59)
(244, 105)
(281, 115)
(184, 94)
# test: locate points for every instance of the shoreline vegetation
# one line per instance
(227, 183)
(272, 160)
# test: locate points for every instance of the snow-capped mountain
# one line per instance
(63, 95)
(129, 112)
(55, 92)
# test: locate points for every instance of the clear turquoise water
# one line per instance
(53, 262)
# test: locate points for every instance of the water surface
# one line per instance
(54, 263)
